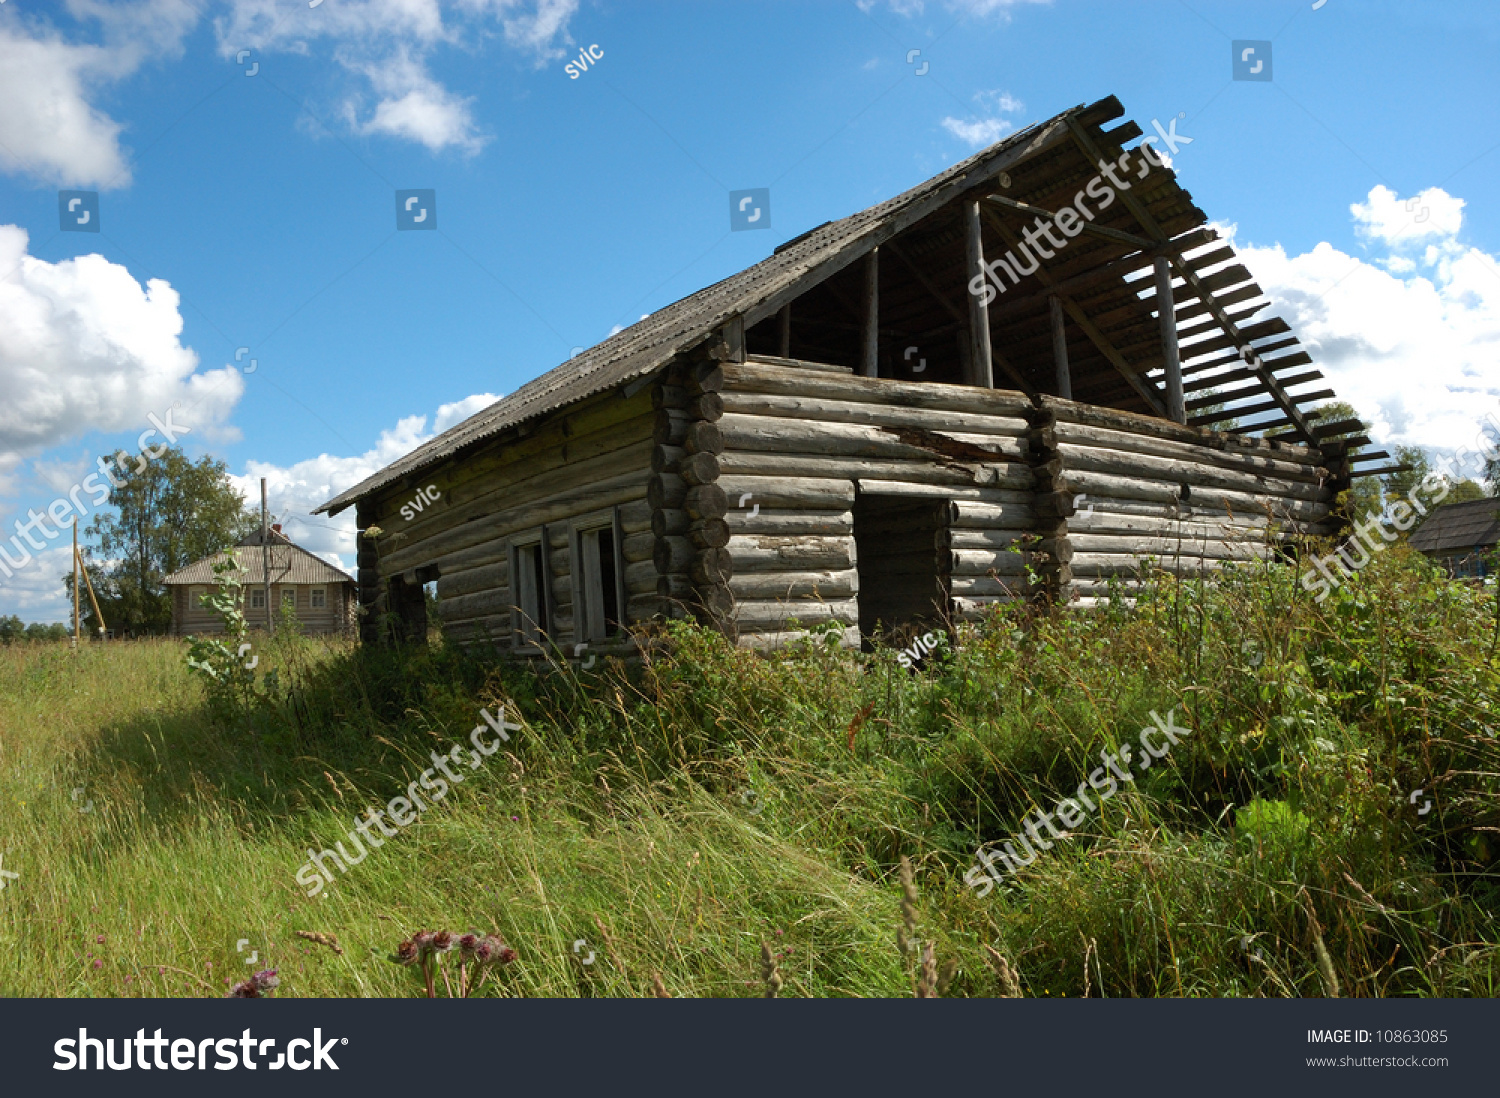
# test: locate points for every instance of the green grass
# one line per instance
(676, 815)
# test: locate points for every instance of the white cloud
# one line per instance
(976, 8)
(1412, 342)
(84, 346)
(49, 129)
(294, 490)
(981, 131)
(1388, 220)
(388, 45)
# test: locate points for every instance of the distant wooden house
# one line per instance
(322, 596)
(1460, 536)
(864, 427)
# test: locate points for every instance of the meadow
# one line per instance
(712, 822)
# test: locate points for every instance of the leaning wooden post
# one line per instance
(785, 344)
(1166, 312)
(1060, 349)
(982, 370)
(75, 583)
(870, 358)
(265, 556)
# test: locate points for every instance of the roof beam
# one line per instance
(1141, 385)
(1088, 226)
(1144, 218)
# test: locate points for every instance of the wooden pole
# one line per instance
(1060, 348)
(870, 358)
(785, 345)
(75, 584)
(981, 366)
(265, 556)
(93, 598)
(1166, 312)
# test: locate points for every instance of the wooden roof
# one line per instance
(290, 563)
(1103, 278)
(1459, 527)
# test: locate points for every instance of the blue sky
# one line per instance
(258, 212)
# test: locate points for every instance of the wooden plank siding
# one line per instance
(337, 616)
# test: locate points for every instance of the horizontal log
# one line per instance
(669, 426)
(665, 395)
(699, 469)
(796, 585)
(707, 407)
(704, 438)
(637, 547)
(822, 410)
(670, 523)
(981, 515)
(756, 377)
(635, 516)
(673, 554)
(666, 491)
(712, 567)
(709, 533)
(1101, 522)
(465, 582)
(981, 562)
(998, 475)
(766, 520)
(1223, 451)
(1067, 411)
(1196, 474)
(705, 501)
(761, 614)
(777, 553)
(975, 493)
(664, 459)
(773, 434)
(1133, 488)
(640, 577)
(775, 639)
(1165, 548)
(1131, 564)
(974, 586)
(980, 539)
(793, 493)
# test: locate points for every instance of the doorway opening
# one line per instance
(903, 592)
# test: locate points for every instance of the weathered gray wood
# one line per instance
(973, 513)
(703, 438)
(979, 539)
(1106, 564)
(666, 491)
(1094, 459)
(979, 319)
(670, 522)
(784, 340)
(1205, 452)
(669, 396)
(773, 434)
(712, 567)
(981, 562)
(870, 351)
(1167, 319)
(705, 501)
(796, 585)
(761, 377)
(707, 407)
(755, 615)
(777, 553)
(698, 469)
(637, 547)
(664, 459)
(1166, 548)
(766, 641)
(1060, 348)
(826, 410)
(674, 554)
(670, 426)
(798, 493)
(999, 475)
(785, 521)
(877, 487)
(635, 516)
(710, 533)
(1153, 427)
(485, 577)
(974, 586)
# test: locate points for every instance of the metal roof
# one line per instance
(290, 563)
(1459, 526)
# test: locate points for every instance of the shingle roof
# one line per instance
(1459, 526)
(290, 563)
(650, 343)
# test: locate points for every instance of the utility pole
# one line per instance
(265, 556)
(75, 585)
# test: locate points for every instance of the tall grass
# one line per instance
(676, 818)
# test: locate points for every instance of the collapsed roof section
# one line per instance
(1077, 312)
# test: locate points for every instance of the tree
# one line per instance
(167, 513)
(1364, 493)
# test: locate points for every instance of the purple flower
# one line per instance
(99, 963)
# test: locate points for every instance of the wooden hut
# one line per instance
(865, 427)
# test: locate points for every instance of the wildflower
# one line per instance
(255, 987)
(100, 939)
(407, 953)
(99, 963)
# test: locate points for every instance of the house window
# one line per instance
(318, 598)
(528, 566)
(289, 598)
(257, 598)
(598, 596)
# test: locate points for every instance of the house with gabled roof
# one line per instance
(1461, 536)
(322, 596)
(1022, 378)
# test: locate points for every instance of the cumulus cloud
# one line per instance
(294, 490)
(1412, 342)
(387, 44)
(989, 127)
(49, 129)
(84, 346)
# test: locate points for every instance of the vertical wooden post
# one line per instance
(785, 346)
(265, 556)
(1166, 312)
(870, 356)
(75, 583)
(981, 367)
(1060, 348)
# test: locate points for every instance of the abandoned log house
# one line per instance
(1045, 347)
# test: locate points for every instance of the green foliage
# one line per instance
(677, 812)
(168, 512)
(13, 629)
